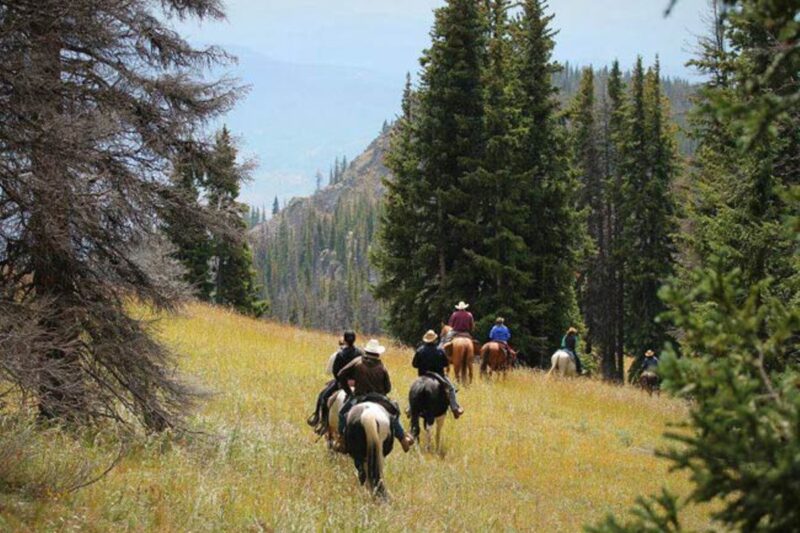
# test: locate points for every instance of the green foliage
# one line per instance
(658, 514)
(738, 312)
(217, 260)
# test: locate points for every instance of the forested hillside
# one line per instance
(312, 257)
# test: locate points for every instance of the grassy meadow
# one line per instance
(530, 453)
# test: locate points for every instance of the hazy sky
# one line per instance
(387, 35)
(380, 40)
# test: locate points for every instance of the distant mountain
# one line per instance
(297, 118)
(313, 257)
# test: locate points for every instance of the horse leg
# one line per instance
(439, 424)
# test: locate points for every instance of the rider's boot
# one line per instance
(313, 420)
(406, 442)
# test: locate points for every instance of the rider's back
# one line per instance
(369, 374)
(345, 356)
(429, 358)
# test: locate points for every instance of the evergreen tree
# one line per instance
(586, 167)
(613, 145)
(98, 100)
(191, 237)
(233, 274)
(403, 272)
(500, 256)
(318, 181)
(550, 228)
(276, 207)
(649, 167)
(448, 144)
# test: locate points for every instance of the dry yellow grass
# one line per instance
(531, 453)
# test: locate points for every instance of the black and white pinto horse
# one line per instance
(428, 400)
(369, 440)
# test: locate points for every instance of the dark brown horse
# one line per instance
(460, 352)
(495, 359)
(648, 381)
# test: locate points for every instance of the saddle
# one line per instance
(439, 378)
(391, 406)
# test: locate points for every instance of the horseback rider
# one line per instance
(430, 360)
(650, 364)
(569, 342)
(371, 384)
(501, 335)
(461, 323)
(347, 352)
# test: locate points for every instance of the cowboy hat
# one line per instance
(572, 330)
(429, 337)
(374, 347)
(500, 320)
(649, 353)
(461, 306)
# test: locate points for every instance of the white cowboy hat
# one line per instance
(429, 337)
(374, 347)
(461, 306)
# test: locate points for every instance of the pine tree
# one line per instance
(586, 168)
(233, 275)
(649, 167)
(448, 144)
(191, 238)
(276, 207)
(318, 181)
(550, 230)
(99, 99)
(613, 149)
(501, 255)
(402, 279)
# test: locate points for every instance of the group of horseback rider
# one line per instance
(364, 370)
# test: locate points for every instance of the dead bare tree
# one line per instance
(97, 97)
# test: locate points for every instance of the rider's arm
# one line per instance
(387, 383)
(344, 375)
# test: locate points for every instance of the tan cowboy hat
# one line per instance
(649, 353)
(500, 320)
(429, 337)
(572, 330)
(461, 306)
(373, 347)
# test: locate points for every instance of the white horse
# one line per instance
(335, 404)
(369, 439)
(563, 364)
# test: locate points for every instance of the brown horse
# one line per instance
(495, 359)
(460, 352)
(648, 381)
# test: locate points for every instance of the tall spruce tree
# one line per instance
(500, 256)
(447, 144)
(233, 274)
(649, 167)
(191, 237)
(613, 145)
(540, 161)
(587, 170)
(403, 268)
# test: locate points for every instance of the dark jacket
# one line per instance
(369, 374)
(429, 358)
(343, 358)
(570, 342)
(650, 364)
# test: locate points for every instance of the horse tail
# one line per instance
(553, 363)
(485, 357)
(369, 421)
(469, 352)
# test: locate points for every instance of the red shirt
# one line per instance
(461, 321)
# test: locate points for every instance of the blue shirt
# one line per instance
(500, 333)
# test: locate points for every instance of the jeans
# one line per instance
(578, 366)
(394, 421)
(451, 388)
